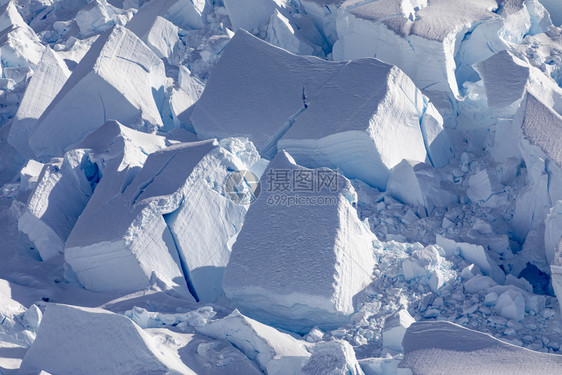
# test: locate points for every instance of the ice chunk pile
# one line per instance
(174, 210)
(96, 93)
(284, 272)
(318, 110)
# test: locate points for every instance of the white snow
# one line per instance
(446, 348)
(284, 272)
(333, 357)
(275, 352)
(70, 337)
(96, 92)
(46, 82)
(319, 110)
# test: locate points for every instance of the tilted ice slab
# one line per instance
(47, 80)
(319, 111)
(332, 357)
(446, 348)
(171, 219)
(187, 14)
(98, 16)
(157, 32)
(437, 42)
(119, 78)
(83, 340)
(62, 192)
(275, 352)
(301, 256)
(540, 143)
(65, 185)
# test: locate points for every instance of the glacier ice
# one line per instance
(95, 93)
(275, 352)
(171, 210)
(47, 80)
(333, 357)
(300, 115)
(71, 336)
(446, 348)
(394, 329)
(314, 285)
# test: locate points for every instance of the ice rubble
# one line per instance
(447, 348)
(299, 115)
(174, 209)
(96, 92)
(331, 265)
(83, 340)
(435, 43)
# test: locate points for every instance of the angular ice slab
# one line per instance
(47, 80)
(80, 340)
(275, 352)
(447, 348)
(171, 220)
(437, 42)
(119, 78)
(318, 110)
(301, 256)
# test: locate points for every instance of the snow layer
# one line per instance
(319, 110)
(446, 348)
(46, 82)
(97, 92)
(286, 273)
(94, 341)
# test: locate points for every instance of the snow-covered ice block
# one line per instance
(281, 33)
(157, 32)
(511, 305)
(474, 254)
(63, 190)
(29, 175)
(429, 263)
(435, 43)
(19, 45)
(483, 187)
(119, 78)
(47, 80)
(554, 8)
(333, 357)
(172, 218)
(73, 340)
(394, 329)
(447, 348)
(319, 110)
(289, 273)
(249, 14)
(274, 352)
(98, 16)
(556, 272)
(506, 80)
(187, 14)
(553, 231)
(540, 142)
(419, 184)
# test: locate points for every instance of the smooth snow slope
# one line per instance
(435, 348)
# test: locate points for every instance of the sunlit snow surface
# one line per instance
(280, 187)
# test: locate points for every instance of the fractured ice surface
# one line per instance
(83, 340)
(171, 218)
(318, 110)
(96, 92)
(284, 272)
(275, 352)
(47, 80)
(450, 35)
